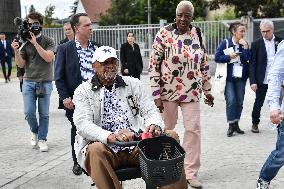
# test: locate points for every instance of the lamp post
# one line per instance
(149, 29)
(63, 17)
(26, 13)
(149, 12)
(250, 26)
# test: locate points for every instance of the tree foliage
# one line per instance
(32, 9)
(125, 12)
(259, 8)
(48, 16)
(229, 14)
(122, 12)
(74, 7)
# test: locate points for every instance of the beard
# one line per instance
(110, 75)
(36, 33)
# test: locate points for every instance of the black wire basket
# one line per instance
(161, 160)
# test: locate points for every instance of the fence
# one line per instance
(114, 36)
(214, 32)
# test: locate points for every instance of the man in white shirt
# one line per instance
(262, 55)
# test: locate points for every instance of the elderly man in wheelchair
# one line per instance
(111, 108)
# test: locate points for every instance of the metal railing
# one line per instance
(214, 32)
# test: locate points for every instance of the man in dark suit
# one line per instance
(69, 36)
(262, 56)
(6, 54)
(73, 65)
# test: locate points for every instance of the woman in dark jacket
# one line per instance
(130, 57)
(236, 57)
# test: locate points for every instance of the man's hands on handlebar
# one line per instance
(155, 130)
(125, 135)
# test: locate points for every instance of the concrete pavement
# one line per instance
(226, 163)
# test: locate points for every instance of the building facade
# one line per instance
(9, 9)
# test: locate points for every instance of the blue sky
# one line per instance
(62, 7)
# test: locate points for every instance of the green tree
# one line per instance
(135, 11)
(32, 9)
(48, 16)
(229, 14)
(259, 8)
(74, 7)
(121, 12)
(162, 9)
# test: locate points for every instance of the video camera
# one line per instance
(24, 29)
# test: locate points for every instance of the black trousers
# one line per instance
(69, 115)
(3, 65)
(258, 103)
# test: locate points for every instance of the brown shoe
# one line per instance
(254, 128)
(194, 183)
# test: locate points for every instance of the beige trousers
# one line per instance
(191, 139)
(101, 162)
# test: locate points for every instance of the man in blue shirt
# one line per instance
(276, 158)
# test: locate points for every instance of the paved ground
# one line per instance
(227, 163)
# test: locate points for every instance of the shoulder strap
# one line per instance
(198, 31)
(227, 43)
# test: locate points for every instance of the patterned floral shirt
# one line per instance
(114, 119)
(179, 68)
(85, 57)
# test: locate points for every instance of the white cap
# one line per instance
(103, 53)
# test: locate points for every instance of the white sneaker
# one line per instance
(42, 144)
(261, 184)
(34, 140)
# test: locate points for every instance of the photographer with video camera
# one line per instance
(35, 53)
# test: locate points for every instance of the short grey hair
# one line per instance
(266, 22)
(186, 4)
(66, 23)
